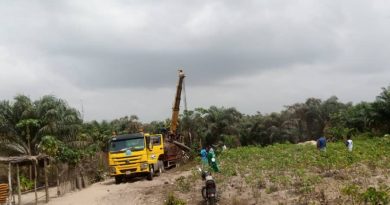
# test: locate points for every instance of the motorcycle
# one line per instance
(209, 191)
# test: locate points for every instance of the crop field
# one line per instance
(301, 174)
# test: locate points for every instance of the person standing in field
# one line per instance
(224, 147)
(212, 158)
(210, 154)
(321, 144)
(203, 155)
(349, 144)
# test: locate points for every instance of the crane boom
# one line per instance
(176, 103)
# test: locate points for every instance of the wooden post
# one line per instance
(189, 134)
(58, 181)
(46, 180)
(18, 178)
(35, 182)
(10, 183)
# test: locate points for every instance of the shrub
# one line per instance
(374, 196)
(183, 184)
(173, 200)
(352, 191)
(25, 183)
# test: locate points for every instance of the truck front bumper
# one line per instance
(129, 169)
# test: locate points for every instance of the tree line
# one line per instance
(49, 125)
(295, 123)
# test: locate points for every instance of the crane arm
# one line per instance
(176, 103)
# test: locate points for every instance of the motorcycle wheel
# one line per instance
(211, 201)
(204, 193)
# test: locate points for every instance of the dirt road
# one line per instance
(137, 191)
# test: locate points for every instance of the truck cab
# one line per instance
(138, 154)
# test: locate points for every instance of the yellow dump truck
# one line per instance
(147, 154)
(138, 154)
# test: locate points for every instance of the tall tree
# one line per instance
(381, 108)
(18, 125)
(23, 123)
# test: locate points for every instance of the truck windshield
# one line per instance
(134, 144)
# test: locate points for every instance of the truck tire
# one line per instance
(118, 179)
(150, 174)
(160, 168)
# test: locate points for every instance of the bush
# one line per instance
(173, 200)
(352, 191)
(370, 196)
(374, 196)
(183, 184)
(25, 183)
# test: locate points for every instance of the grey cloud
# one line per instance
(211, 40)
(78, 47)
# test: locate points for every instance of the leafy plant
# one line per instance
(352, 191)
(376, 197)
(25, 183)
(49, 145)
(183, 184)
(173, 200)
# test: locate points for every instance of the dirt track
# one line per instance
(137, 191)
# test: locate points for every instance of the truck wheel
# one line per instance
(150, 174)
(160, 166)
(118, 179)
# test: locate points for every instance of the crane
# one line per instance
(173, 135)
(176, 103)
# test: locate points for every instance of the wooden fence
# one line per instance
(64, 176)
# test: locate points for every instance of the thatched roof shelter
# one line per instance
(25, 160)
(22, 159)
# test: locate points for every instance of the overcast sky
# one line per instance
(121, 57)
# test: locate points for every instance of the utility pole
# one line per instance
(82, 109)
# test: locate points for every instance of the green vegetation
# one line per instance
(268, 160)
(25, 183)
(374, 196)
(183, 184)
(302, 168)
(298, 159)
(296, 123)
(371, 196)
(24, 123)
(173, 200)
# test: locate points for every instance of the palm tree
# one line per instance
(23, 123)
(381, 108)
(17, 125)
(221, 121)
(126, 124)
(58, 119)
